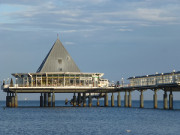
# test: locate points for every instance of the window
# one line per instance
(60, 61)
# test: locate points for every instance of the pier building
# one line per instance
(58, 73)
(155, 79)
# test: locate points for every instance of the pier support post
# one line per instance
(9, 100)
(165, 100)
(98, 101)
(129, 100)
(125, 99)
(155, 99)
(49, 99)
(171, 100)
(112, 100)
(12, 100)
(106, 99)
(53, 99)
(141, 100)
(118, 99)
(45, 99)
(74, 100)
(16, 100)
(79, 99)
(41, 100)
(84, 99)
(90, 100)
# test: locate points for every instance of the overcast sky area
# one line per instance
(120, 38)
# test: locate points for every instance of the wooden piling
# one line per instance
(74, 100)
(79, 99)
(15, 100)
(84, 99)
(141, 100)
(170, 100)
(90, 100)
(118, 99)
(41, 100)
(98, 101)
(129, 99)
(106, 99)
(112, 100)
(165, 100)
(125, 99)
(53, 99)
(155, 99)
(45, 99)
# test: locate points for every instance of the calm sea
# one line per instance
(33, 120)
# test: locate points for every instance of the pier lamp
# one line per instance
(162, 78)
(7, 80)
(4, 81)
(122, 81)
(16, 82)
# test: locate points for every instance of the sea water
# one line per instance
(30, 119)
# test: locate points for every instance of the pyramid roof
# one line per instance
(58, 60)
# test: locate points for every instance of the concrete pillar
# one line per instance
(7, 100)
(171, 100)
(49, 99)
(7, 103)
(74, 99)
(141, 100)
(125, 99)
(90, 100)
(155, 99)
(98, 101)
(16, 100)
(12, 100)
(165, 100)
(129, 100)
(45, 99)
(118, 99)
(84, 99)
(53, 100)
(79, 99)
(106, 99)
(112, 100)
(41, 100)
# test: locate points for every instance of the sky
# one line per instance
(120, 38)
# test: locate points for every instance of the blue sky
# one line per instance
(120, 38)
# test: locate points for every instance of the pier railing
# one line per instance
(139, 83)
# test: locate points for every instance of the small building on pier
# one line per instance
(57, 73)
(58, 69)
(58, 79)
(155, 79)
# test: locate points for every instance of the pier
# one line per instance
(58, 73)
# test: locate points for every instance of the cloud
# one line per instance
(154, 15)
(81, 16)
(69, 43)
(125, 30)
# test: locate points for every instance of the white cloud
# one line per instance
(78, 15)
(154, 15)
(69, 43)
(125, 30)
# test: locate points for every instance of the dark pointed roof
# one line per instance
(58, 60)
